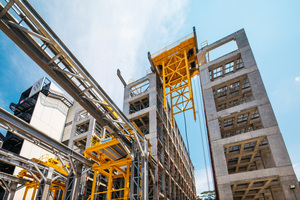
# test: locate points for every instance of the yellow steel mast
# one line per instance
(175, 65)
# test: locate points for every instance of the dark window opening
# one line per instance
(138, 105)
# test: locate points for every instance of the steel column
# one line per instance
(13, 189)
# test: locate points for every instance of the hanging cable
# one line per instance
(185, 127)
(202, 112)
(201, 133)
(203, 121)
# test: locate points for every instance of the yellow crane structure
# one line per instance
(33, 178)
(112, 162)
(33, 35)
(175, 65)
(122, 154)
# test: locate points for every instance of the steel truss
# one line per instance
(41, 177)
(28, 30)
(9, 183)
(175, 65)
(39, 42)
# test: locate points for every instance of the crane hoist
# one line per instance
(122, 152)
(175, 65)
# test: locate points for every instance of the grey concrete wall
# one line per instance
(275, 160)
(156, 121)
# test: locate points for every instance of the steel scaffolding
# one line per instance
(24, 26)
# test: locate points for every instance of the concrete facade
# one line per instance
(49, 115)
(143, 105)
(250, 160)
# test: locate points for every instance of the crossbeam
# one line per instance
(26, 131)
(9, 177)
(74, 85)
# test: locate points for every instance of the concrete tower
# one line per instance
(249, 157)
(143, 104)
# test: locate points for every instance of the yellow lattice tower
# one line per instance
(175, 65)
(33, 183)
(111, 161)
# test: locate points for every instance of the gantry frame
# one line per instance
(112, 162)
(42, 176)
(39, 42)
(175, 65)
(34, 184)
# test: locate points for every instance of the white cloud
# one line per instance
(107, 35)
(201, 180)
(297, 79)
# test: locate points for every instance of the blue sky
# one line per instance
(106, 35)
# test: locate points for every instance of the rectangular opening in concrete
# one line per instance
(82, 128)
(222, 50)
(248, 155)
(139, 104)
(83, 115)
(98, 130)
(238, 123)
(139, 88)
(256, 189)
(161, 181)
(143, 123)
(80, 145)
(226, 67)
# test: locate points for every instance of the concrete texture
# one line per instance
(274, 160)
(175, 172)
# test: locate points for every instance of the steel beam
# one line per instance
(74, 87)
(24, 130)
(13, 189)
(12, 178)
(19, 161)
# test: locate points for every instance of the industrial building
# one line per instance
(97, 151)
(249, 157)
(143, 104)
(44, 106)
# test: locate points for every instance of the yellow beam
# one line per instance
(173, 68)
(102, 146)
(117, 163)
(110, 183)
(94, 185)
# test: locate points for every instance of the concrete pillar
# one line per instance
(267, 158)
(278, 150)
(277, 193)
(225, 192)
(286, 182)
(259, 164)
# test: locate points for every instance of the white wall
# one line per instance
(70, 120)
(49, 116)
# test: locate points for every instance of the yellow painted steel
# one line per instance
(110, 109)
(34, 184)
(175, 66)
(51, 162)
(109, 165)
(111, 161)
